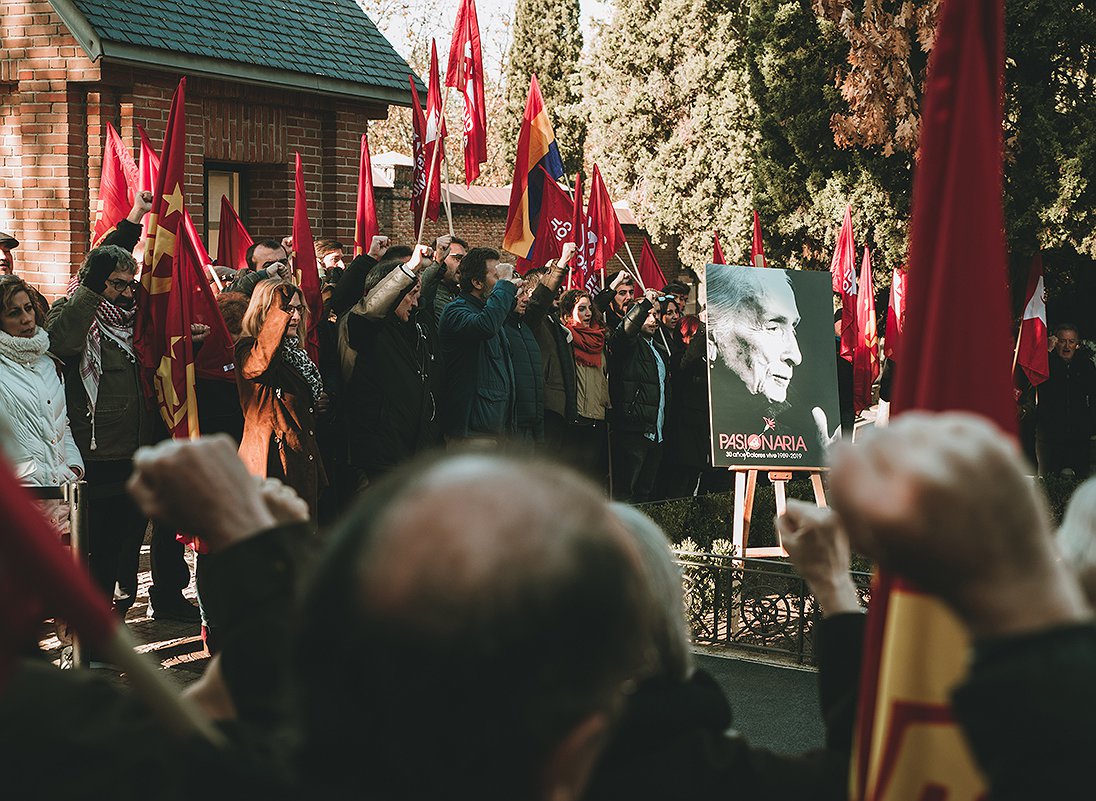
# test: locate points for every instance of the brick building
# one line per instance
(255, 95)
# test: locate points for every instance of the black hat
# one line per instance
(8, 241)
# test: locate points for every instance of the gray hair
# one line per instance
(669, 634)
(1077, 534)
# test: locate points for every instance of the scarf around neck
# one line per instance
(587, 343)
(24, 350)
(297, 358)
(114, 323)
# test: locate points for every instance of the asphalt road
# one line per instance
(774, 707)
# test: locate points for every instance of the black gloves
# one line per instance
(100, 266)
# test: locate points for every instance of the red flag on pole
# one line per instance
(233, 240)
(117, 185)
(536, 146)
(418, 154)
(39, 576)
(308, 273)
(365, 215)
(914, 650)
(717, 250)
(650, 274)
(583, 275)
(843, 273)
(434, 140)
(555, 226)
(896, 314)
(603, 223)
(1032, 344)
(164, 310)
(148, 165)
(865, 363)
(757, 249)
(465, 73)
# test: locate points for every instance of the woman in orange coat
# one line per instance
(280, 391)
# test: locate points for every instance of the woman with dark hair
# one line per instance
(280, 391)
(586, 328)
(34, 428)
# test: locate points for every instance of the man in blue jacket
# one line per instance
(477, 372)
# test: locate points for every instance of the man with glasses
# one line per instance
(91, 331)
(1065, 407)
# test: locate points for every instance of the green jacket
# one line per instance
(123, 418)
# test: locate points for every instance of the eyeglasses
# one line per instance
(121, 286)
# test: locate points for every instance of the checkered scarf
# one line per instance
(115, 324)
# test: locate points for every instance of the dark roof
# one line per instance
(328, 40)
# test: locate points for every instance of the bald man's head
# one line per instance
(470, 616)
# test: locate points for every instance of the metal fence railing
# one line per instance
(759, 605)
(72, 493)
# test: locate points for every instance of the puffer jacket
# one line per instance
(35, 435)
(528, 378)
(477, 374)
(634, 389)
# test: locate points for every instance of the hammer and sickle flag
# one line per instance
(165, 302)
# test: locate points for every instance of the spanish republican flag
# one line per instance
(536, 147)
(165, 308)
(908, 746)
(117, 186)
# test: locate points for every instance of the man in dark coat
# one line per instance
(615, 300)
(639, 388)
(391, 386)
(528, 371)
(1066, 404)
(477, 371)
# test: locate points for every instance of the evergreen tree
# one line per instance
(547, 42)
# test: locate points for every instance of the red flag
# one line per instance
(717, 251)
(603, 223)
(39, 576)
(117, 186)
(308, 273)
(650, 274)
(233, 240)
(1032, 345)
(465, 73)
(164, 310)
(555, 225)
(536, 146)
(843, 272)
(418, 155)
(215, 358)
(434, 138)
(896, 314)
(149, 164)
(757, 249)
(583, 275)
(865, 363)
(365, 215)
(915, 651)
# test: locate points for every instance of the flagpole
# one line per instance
(1016, 350)
(433, 165)
(448, 199)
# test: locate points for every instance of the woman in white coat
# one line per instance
(34, 434)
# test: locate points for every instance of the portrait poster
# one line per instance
(771, 366)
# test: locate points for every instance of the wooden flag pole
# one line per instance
(433, 166)
(448, 199)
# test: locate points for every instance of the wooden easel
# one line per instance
(745, 482)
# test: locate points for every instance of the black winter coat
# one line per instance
(633, 375)
(528, 379)
(1067, 400)
(391, 413)
(556, 357)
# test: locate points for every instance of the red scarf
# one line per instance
(588, 344)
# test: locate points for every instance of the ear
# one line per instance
(568, 769)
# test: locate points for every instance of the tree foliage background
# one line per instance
(700, 110)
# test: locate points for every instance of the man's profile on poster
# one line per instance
(772, 366)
